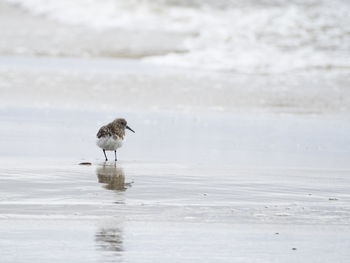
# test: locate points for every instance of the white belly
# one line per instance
(109, 143)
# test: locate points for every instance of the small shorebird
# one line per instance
(110, 137)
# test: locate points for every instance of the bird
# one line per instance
(110, 137)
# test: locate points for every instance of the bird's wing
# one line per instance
(104, 131)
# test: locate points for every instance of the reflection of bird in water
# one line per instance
(109, 239)
(112, 176)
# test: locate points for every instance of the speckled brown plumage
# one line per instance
(115, 128)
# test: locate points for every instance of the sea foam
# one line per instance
(240, 36)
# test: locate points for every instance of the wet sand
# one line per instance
(115, 241)
(145, 212)
(145, 191)
(141, 212)
(239, 195)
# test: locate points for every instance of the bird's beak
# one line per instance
(130, 129)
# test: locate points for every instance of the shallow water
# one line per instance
(133, 86)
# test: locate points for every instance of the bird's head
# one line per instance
(121, 123)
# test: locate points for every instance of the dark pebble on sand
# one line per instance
(85, 163)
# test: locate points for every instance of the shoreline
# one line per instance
(106, 84)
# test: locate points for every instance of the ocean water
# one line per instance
(255, 36)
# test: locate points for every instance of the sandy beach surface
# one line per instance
(223, 167)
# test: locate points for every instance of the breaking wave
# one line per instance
(254, 36)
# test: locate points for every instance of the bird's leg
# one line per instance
(104, 152)
(115, 155)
